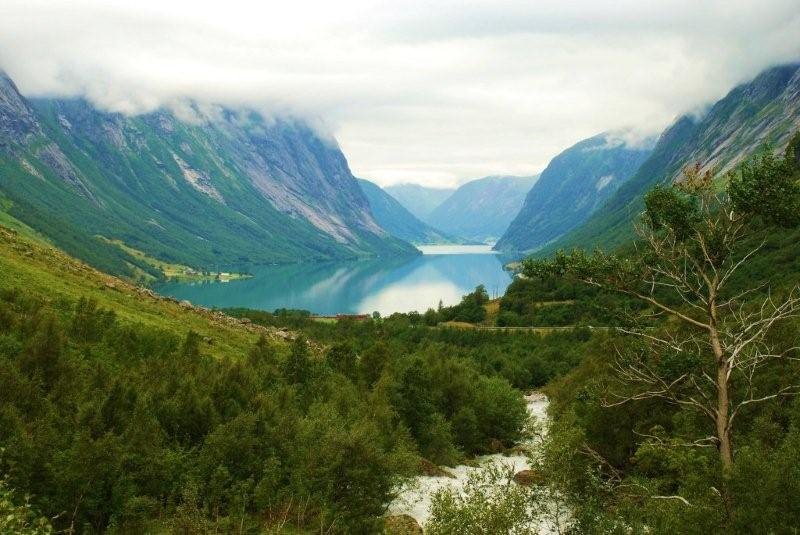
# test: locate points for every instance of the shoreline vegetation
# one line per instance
(173, 271)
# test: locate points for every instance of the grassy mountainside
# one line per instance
(419, 200)
(397, 220)
(764, 110)
(47, 274)
(481, 210)
(570, 189)
(217, 187)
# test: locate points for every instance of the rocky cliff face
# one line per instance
(203, 187)
(17, 121)
(571, 188)
(764, 110)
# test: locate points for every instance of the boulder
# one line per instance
(496, 446)
(429, 469)
(529, 478)
(401, 525)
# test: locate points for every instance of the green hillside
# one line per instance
(764, 110)
(575, 184)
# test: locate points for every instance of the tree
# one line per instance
(21, 519)
(694, 240)
(297, 368)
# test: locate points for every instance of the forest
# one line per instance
(115, 426)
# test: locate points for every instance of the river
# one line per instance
(415, 498)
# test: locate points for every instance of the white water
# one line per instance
(415, 500)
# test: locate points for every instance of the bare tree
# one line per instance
(693, 241)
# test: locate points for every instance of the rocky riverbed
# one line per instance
(415, 500)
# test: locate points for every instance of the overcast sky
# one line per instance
(432, 92)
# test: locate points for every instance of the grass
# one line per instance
(60, 280)
(9, 221)
(174, 271)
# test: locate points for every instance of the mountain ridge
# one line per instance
(230, 187)
(481, 210)
(398, 221)
(572, 186)
(764, 110)
(417, 199)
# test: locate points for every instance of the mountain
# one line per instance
(570, 189)
(419, 200)
(202, 186)
(395, 219)
(481, 210)
(763, 110)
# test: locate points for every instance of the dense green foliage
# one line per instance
(115, 415)
(553, 302)
(633, 457)
(18, 516)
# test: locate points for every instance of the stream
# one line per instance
(415, 499)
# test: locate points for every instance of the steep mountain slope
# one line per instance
(397, 220)
(419, 200)
(481, 210)
(216, 187)
(570, 189)
(764, 110)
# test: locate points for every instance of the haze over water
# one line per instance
(385, 285)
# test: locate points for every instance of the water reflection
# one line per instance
(386, 285)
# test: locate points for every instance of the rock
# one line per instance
(401, 525)
(429, 469)
(496, 446)
(185, 304)
(529, 478)
(519, 449)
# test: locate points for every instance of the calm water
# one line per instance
(387, 285)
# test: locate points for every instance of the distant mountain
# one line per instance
(481, 210)
(571, 188)
(397, 220)
(211, 186)
(764, 110)
(419, 200)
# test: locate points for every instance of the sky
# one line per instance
(429, 92)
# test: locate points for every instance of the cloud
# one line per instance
(428, 92)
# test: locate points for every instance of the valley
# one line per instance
(214, 318)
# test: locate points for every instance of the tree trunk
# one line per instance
(724, 444)
(723, 419)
